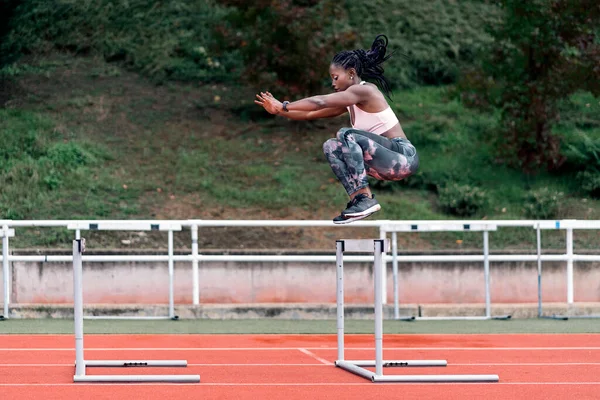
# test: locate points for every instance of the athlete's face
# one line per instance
(341, 79)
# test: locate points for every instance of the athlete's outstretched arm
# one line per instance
(274, 106)
(353, 95)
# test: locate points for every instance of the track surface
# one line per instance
(530, 366)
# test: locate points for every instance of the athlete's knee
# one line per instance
(330, 146)
(341, 134)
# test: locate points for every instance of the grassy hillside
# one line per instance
(129, 109)
(103, 142)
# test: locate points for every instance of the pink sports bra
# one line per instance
(376, 123)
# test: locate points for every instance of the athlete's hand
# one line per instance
(268, 102)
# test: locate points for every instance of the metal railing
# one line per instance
(385, 227)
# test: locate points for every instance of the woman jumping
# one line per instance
(375, 145)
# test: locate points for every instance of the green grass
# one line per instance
(276, 326)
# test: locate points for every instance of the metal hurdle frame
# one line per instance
(137, 226)
(444, 227)
(5, 233)
(81, 364)
(568, 226)
(378, 247)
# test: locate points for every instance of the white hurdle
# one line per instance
(443, 226)
(5, 233)
(81, 364)
(136, 226)
(569, 225)
(378, 247)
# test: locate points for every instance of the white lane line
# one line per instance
(316, 357)
(323, 362)
(304, 384)
(296, 348)
(189, 365)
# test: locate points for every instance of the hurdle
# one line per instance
(568, 225)
(377, 247)
(81, 363)
(5, 233)
(443, 226)
(136, 226)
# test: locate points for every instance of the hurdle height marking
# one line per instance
(378, 247)
(81, 364)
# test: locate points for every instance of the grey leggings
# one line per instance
(354, 154)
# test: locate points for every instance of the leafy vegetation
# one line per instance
(543, 51)
(163, 40)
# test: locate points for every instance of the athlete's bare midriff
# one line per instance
(394, 132)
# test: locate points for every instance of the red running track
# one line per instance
(290, 367)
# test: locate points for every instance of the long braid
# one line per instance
(367, 63)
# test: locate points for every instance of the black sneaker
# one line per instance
(341, 219)
(361, 205)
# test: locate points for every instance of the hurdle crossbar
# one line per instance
(444, 226)
(136, 226)
(377, 247)
(81, 363)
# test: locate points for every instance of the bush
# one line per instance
(462, 200)
(582, 152)
(439, 36)
(590, 182)
(543, 51)
(164, 40)
(542, 203)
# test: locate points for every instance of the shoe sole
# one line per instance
(366, 212)
(352, 219)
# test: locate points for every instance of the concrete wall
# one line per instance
(420, 283)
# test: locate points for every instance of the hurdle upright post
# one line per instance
(378, 248)
(340, 297)
(486, 273)
(539, 268)
(6, 233)
(195, 272)
(171, 277)
(395, 274)
(78, 249)
(570, 291)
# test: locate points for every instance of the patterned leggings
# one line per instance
(354, 154)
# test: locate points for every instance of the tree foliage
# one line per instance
(163, 40)
(543, 51)
(286, 45)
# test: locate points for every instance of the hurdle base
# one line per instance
(555, 317)
(134, 363)
(82, 377)
(582, 316)
(137, 378)
(464, 318)
(399, 363)
(121, 317)
(435, 378)
(405, 318)
(351, 366)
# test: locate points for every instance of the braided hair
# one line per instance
(367, 63)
